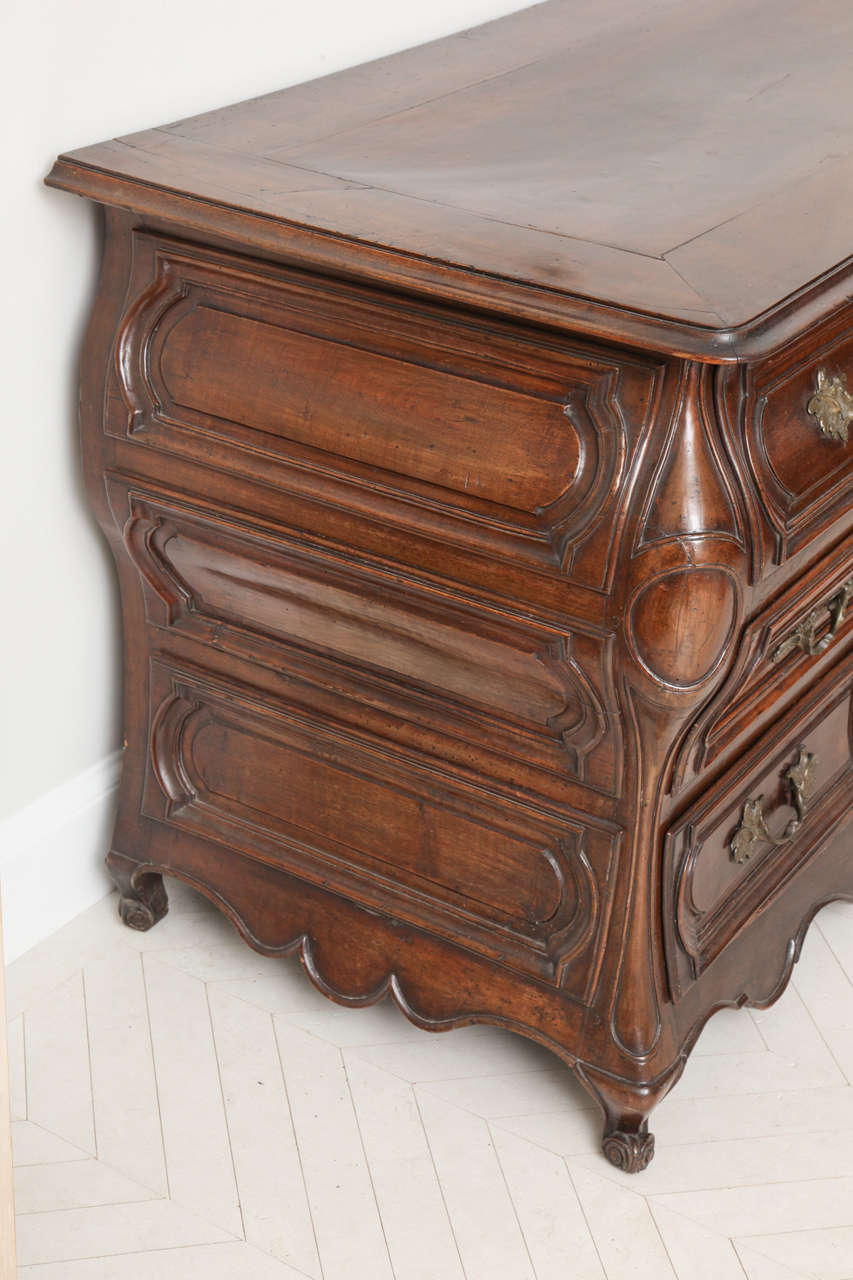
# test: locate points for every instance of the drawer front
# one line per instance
(740, 844)
(416, 418)
(801, 631)
(264, 778)
(800, 429)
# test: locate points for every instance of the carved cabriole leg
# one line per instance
(143, 899)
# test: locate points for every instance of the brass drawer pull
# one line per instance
(752, 830)
(832, 405)
(804, 635)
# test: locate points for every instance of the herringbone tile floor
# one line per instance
(185, 1108)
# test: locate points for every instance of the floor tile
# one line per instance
(826, 1254)
(231, 960)
(695, 1252)
(213, 1091)
(827, 992)
(491, 1243)
(840, 908)
(835, 924)
(343, 1205)
(39, 971)
(567, 1133)
(679, 1121)
(17, 1069)
(124, 1089)
(276, 1215)
(190, 921)
(712, 1075)
(59, 1086)
(740, 1162)
(79, 1184)
(623, 1228)
(199, 1262)
(467, 1051)
(284, 989)
(790, 1033)
(198, 1154)
(766, 1210)
(549, 1213)
(109, 1229)
(801, 1120)
(758, 1267)
(404, 1178)
(729, 1031)
(33, 1145)
(518, 1093)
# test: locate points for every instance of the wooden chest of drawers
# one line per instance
(471, 433)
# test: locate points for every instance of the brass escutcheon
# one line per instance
(832, 405)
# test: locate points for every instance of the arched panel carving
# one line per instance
(568, 419)
(284, 790)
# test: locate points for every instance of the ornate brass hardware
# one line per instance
(832, 405)
(752, 830)
(804, 635)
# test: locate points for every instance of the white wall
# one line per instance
(73, 74)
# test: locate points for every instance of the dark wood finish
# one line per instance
(663, 157)
(485, 562)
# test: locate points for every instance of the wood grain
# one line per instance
(639, 157)
(456, 535)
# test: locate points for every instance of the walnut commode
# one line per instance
(471, 433)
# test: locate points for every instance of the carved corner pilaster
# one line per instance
(683, 562)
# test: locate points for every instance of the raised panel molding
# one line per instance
(715, 896)
(442, 538)
(240, 772)
(757, 684)
(200, 572)
(803, 477)
(565, 413)
(425, 425)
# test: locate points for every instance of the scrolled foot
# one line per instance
(630, 1152)
(141, 915)
(143, 900)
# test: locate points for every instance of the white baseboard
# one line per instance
(52, 856)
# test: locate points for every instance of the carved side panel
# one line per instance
(518, 688)
(265, 779)
(412, 417)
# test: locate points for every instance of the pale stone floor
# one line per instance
(187, 1109)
